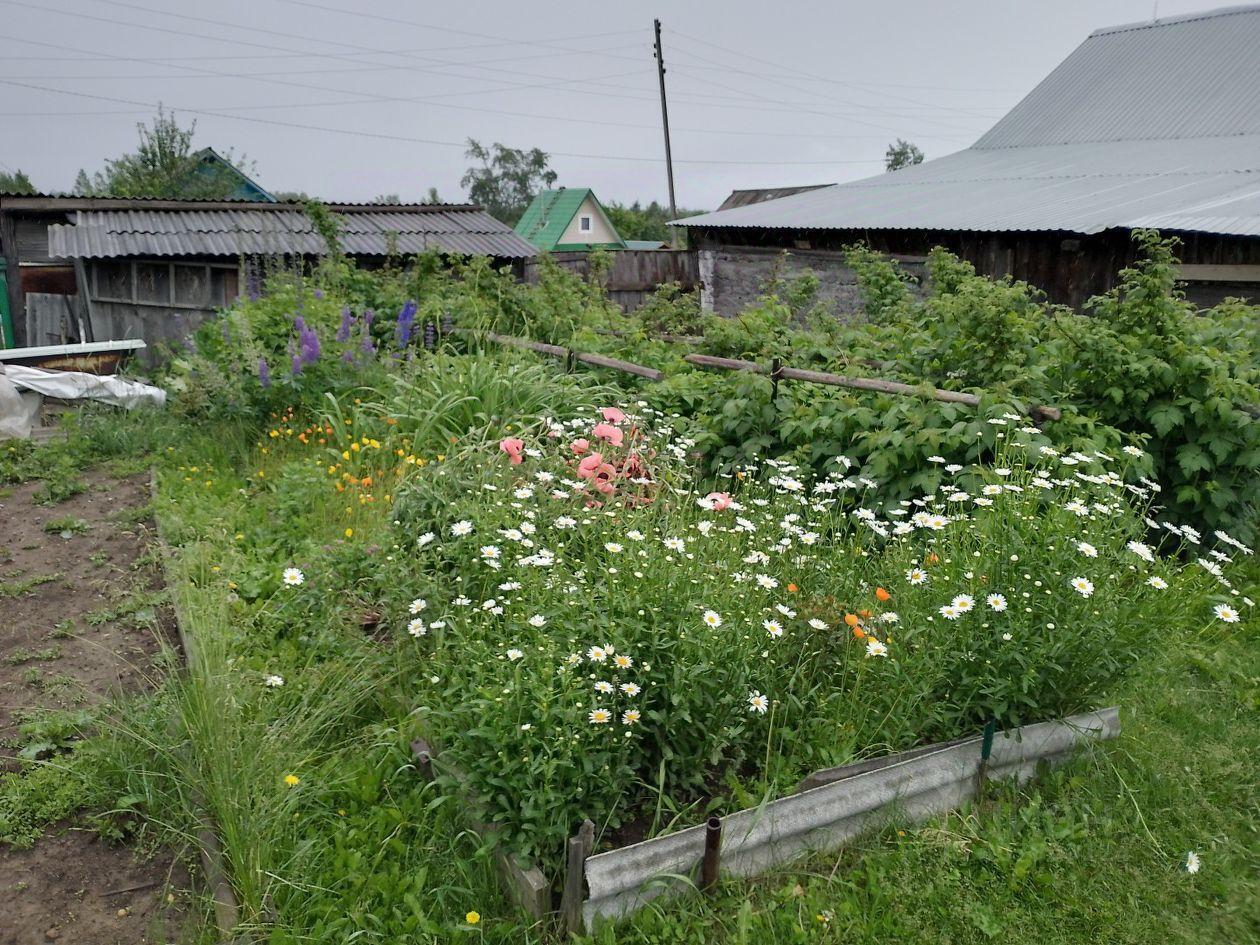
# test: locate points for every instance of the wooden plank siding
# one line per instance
(634, 274)
(1068, 267)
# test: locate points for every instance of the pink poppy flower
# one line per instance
(579, 446)
(513, 447)
(589, 465)
(720, 500)
(604, 476)
(606, 431)
(613, 415)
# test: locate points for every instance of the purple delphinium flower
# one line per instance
(296, 364)
(308, 345)
(367, 347)
(347, 323)
(406, 319)
(319, 293)
(264, 373)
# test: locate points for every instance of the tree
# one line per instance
(386, 198)
(636, 222)
(902, 154)
(506, 180)
(16, 183)
(164, 164)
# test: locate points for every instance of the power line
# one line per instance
(153, 106)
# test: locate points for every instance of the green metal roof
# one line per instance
(551, 212)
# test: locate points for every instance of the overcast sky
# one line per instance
(346, 105)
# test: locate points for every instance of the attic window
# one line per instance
(584, 224)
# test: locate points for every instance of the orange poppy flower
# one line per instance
(859, 633)
(881, 594)
(932, 558)
(792, 588)
(865, 614)
(851, 620)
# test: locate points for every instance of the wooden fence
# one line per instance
(634, 275)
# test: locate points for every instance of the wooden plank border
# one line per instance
(226, 908)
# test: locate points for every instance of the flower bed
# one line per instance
(596, 635)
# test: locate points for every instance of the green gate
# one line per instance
(6, 320)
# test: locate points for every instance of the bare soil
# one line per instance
(80, 624)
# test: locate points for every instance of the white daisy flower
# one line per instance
(758, 703)
(1088, 550)
(630, 689)
(273, 681)
(1192, 863)
(417, 605)
(963, 603)
(293, 577)
(1082, 586)
(917, 576)
(1226, 613)
(712, 618)
(631, 717)
(997, 602)
(773, 627)
(604, 687)
(462, 528)
(818, 624)
(875, 648)
(538, 620)
(1157, 582)
(514, 654)
(599, 717)
(416, 627)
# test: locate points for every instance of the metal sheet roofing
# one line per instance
(233, 232)
(1150, 125)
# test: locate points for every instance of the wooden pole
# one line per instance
(858, 383)
(669, 160)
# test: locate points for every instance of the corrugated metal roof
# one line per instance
(1211, 185)
(1149, 125)
(743, 198)
(1190, 77)
(367, 232)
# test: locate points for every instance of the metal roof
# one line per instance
(368, 231)
(1149, 125)
(743, 198)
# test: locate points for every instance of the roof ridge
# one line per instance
(1175, 20)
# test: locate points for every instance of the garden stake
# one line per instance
(712, 855)
(568, 360)
(776, 371)
(986, 749)
(579, 848)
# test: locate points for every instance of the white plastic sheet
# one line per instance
(76, 385)
(19, 411)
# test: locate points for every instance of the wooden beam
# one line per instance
(13, 277)
(858, 383)
(1194, 272)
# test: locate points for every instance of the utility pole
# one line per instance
(669, 161)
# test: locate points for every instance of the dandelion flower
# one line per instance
(997, 602)
(599, 716)
(473, 917)
(631, 717)
(758, 703)
(1226, 613)
(875, 648)
(293, 577)
(292, 780)
(1082, 586)
(712, 618)
(417, 605)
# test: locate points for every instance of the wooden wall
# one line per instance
(1068, 267)
(634, 275)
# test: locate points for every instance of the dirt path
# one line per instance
(80, 620)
